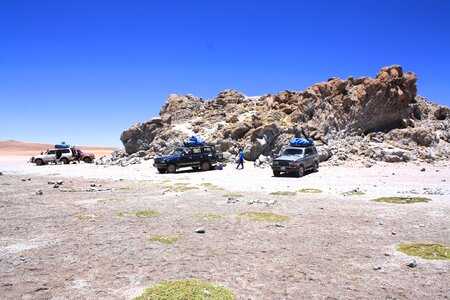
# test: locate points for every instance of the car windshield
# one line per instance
(293, 152)
(178, 152)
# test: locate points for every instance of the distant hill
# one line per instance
(17, 148)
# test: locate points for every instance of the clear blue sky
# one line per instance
(82, 71)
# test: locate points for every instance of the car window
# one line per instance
(293, 152)
(177, 152)
(207, 149)
(196, 151)
(51, 152)
(314, 150)
(66, 151)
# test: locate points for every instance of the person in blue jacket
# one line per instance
(241, 159)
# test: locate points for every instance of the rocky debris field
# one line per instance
(65, 236)
(365, 120)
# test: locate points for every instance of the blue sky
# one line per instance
(83, 71)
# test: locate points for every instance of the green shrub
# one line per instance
(164, 239)
(186, 290)
(264, 216)
(139, 214)
(311, 191)
(283, 193)
(401, 200)
(426, 251)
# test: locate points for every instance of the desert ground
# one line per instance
(72, 242)
(17, 148)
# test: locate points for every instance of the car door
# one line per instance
(185, 158)
(308, 158)
(196, 157)
(208, 155)
(49, 156)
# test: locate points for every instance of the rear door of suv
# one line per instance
(309, 157)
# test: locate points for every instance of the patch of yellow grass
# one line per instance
(264, 216)
(207, 217)
(426, 251)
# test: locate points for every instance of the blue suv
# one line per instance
(197, 157)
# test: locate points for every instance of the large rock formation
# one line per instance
(355, 119)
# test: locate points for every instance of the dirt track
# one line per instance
(67, 245)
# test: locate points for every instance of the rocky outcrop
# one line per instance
(368, 119)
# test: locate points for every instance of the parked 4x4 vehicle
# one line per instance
(197, 157)
(296, 160)
(63, 155)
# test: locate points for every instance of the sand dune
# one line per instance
(16, 148)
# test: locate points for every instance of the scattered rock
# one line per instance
(1, 173)
(376, 268)
(39, 192)
(279, 225)
(56, 186)
(380, 222)
(393, 233)
(412, 264)
(60, 182)
(422, 170)
(200, 230)
(51, 182)
(232, 200)
(421, 225)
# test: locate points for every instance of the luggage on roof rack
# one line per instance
(301, 142)
(194, 141)
(62, 145)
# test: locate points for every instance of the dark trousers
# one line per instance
(240, 163)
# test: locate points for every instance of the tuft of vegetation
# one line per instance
(111, 200)
(402, 200)
(309, 190)
(186, 289)
(207, 217)
(283, 193)
(264, 216)
(139, 214)
(426, 251)
(355, 192)
(180, 187)
(233, 196)
(164, 239)
(86, 217)
(211, 186)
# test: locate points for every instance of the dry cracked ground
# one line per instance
(82, 241)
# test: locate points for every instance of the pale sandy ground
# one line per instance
(331, 247)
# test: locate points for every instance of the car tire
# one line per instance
(87, 160)
(276, 173)
(39, 162)
(205, 166)
(65, 161)
(301, 171)
(161, 170)
(172, 168)
(315, 166)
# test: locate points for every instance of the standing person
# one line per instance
(241, 159)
